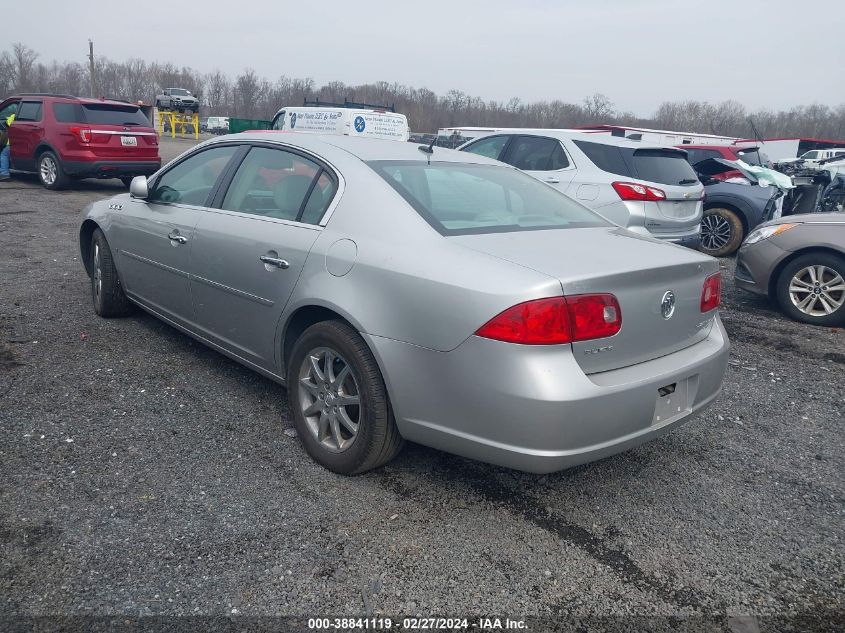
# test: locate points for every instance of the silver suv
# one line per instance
(649, 189)
(177, 99)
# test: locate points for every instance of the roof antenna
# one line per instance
(758, 139)
(428, 149)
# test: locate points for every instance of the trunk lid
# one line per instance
(639, 271)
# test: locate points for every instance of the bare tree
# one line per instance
(246, 93)
(598, 107)
(23, 61)
(251, 96)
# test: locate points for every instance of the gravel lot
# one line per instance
(143, 473)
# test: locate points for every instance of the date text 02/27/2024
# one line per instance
(416, 624)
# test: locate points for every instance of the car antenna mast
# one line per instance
(758, 139)
(428, 149)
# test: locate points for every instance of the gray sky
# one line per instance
(772, 54)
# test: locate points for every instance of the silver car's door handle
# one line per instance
(175, 237)
(553, 181)
(278, 262)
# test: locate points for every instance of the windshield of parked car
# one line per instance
(462, 198)
(279, 121)
(179, 92)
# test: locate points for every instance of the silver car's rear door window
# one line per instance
(536, 153)
(248, 253)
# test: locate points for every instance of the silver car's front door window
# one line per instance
(154, 237)
(247, 256)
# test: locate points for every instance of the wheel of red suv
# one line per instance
(811, 288)
(339, 401)
(50, 171)
(721, 232)
(106, 292)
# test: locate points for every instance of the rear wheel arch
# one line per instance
(730, 207)
(776, 272)
(86, 235)
(301, 319)
(44, 146)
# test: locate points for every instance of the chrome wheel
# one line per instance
(329, 398)
(49, 170)
(98, 272)
(715, 232)
(817, 291)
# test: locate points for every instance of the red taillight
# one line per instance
(556, 320)
(711, 293)
(594, 316)
(540, 322)
(82, 133)
(635, 191)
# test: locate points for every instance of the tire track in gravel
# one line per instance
(531, 510)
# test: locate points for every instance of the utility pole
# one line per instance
(91, 71)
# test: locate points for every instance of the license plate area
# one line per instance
(129, 141)
(672, 402)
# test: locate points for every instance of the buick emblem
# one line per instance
(667, 304)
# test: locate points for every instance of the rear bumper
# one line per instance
(532, 408)
(111, 168)
(690, 237)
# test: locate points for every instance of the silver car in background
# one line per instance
(441, 298)
(649, 189)
(799, 261)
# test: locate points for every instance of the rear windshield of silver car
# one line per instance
(463, 198)
(663, 166)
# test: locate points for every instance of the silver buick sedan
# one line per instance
(404, 293)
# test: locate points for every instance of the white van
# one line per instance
(217, 124)
(345, 121)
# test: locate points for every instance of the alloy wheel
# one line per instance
(330, 399)
(49, 170)
(715, 232)
(98, 272)
(817, 291)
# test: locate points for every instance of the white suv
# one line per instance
(649, 189)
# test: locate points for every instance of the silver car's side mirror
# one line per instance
(138, 188)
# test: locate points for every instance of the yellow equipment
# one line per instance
(178, 120)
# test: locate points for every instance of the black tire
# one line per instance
(51, 173)
(126, 180)
(377, 440)
(833, 265)
(721, 232)
(106, 291)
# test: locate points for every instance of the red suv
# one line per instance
(61, 138)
